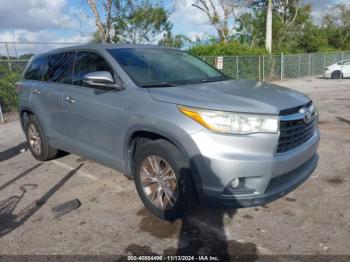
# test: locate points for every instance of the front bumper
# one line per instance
(277, 188)
(327, 74)
(218, 159)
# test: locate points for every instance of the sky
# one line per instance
(71, 21)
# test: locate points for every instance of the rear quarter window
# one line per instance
(36, 69)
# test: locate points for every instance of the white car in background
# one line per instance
(338, 70)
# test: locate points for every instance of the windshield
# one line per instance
(164, 67)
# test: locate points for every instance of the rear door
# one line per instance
(92, 114)
(47, 95)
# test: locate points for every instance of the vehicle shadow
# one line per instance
(16, 150)
(201, 233)
(10, 221)
(322, 77)
(13, 151)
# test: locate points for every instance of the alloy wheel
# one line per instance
(159, 182)
(34, 139)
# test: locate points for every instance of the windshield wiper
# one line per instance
(206, 80)
(162, 84)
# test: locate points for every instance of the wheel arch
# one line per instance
(149, 134)
(138, 136)
(23, 111)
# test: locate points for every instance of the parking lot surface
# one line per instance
(314, 219)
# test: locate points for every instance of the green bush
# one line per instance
(225, 49)
(246, 66)
(8, 96)
(10, 74)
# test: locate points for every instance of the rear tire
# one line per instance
(37, 142)
(337, 75)
(159, 166)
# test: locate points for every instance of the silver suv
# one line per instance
(181, 129)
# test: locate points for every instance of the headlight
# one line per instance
(229, 122)
(315, 113)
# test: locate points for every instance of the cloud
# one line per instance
(34, 15)
(319, 7)
(189, 20)
(44, 21)
(46, 40)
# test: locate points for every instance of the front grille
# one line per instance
(294, 133)
(294, 110)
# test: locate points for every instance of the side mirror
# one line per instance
(100, 79)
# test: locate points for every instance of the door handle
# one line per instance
(36, 91)
(69, 99)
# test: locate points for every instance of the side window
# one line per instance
(87, 62)
(36, 69)
(59, 68)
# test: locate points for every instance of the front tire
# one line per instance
(38, 143)
(163, 180)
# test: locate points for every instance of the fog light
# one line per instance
(235, 183)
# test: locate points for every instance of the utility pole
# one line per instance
(268, 40)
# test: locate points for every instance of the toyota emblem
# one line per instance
(307, 114)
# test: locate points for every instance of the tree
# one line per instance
(312, 39)
(96, 38)
(171, 40)
(139, 21)
(285, 10)
(104, 29)
(223, 14)
(336, 24)
(281, 20)
(134, 21)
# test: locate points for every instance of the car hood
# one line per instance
(334, 66)
(232, 95)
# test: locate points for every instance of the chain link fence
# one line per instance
(10, 74)
(276, 67)
(261, 68)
